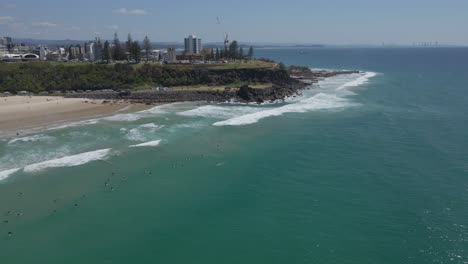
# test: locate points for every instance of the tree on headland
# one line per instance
(135, 51)
(241, 53)
(282, 66)
(118, 53)
(147, 47)
(217, 54)
(129, 46)
(251, 52)
(106, 52)
(233, 50)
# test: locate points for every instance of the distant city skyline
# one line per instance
(336, 22)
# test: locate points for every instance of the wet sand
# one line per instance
(25, 112)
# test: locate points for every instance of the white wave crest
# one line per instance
(147, 144)
(123, 118)
(69, 161)
(6, 173)
(332, 95)
(74, 124)
(151, 125)
(34, 138)
(317, 102)
(363, 79)
(217, 111)
(131, 117)
(143, 132)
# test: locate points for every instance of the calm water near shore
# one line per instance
(365, 168)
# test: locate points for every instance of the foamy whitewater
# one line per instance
(69, 161)
(31, 139)
(147, 144)
(330, 97)
(6, 173)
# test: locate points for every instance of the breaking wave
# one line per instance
(217, 111)
(330, 98)
(317, 102)
(74, 124)
(143, 132)
(6, 173)
(147, 144)
(359, 81)
(69, 161)
(35, 138)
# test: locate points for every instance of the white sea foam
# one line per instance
(123, 117)
(362, 79)
(150, 125)
(69, 161)
(6, 173)
(147, 144)
(317, 102)
(34, 138)
(332, 95)
(74, 124)
(131, 117)
(218, 111)
(142, 132)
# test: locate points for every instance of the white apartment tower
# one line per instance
(193, 45)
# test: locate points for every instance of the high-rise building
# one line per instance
(90, 49)
(5, 44)
(5, 41)
(193, 45)
(42, 51)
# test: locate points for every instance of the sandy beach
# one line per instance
(24, 112)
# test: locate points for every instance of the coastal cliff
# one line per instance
(280, 85)
(256, 81)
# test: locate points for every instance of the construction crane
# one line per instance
(226, 37)
(226, 42)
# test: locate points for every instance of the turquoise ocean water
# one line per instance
(367, 168)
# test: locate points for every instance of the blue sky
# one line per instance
(287, 21)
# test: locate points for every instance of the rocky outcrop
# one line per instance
(283, 85)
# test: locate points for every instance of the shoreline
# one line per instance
(18, 113)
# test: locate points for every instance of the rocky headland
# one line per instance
(282, 83)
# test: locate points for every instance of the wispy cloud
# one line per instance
(44, 24)
(126, 11)
(6, 20)
(75, 28)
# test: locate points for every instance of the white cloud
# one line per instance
(44, 24)
(6, 20)
(126, 11)
(75, 28)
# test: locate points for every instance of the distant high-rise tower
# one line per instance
(193, 45)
